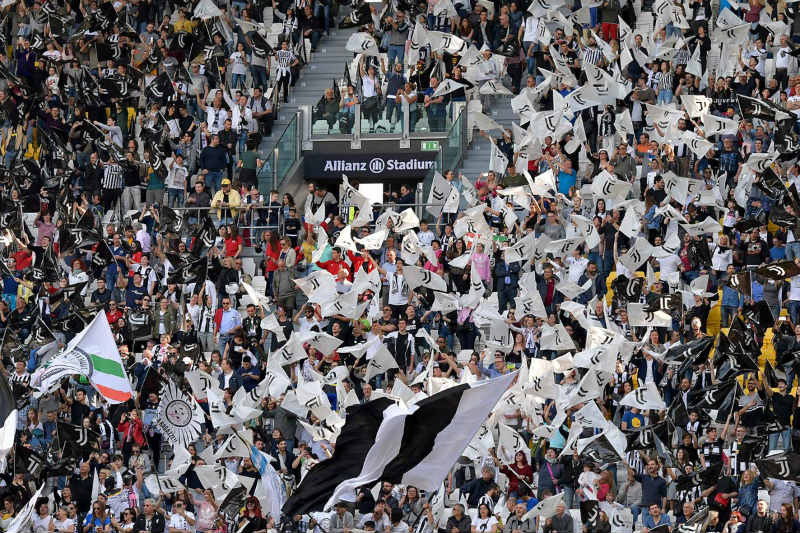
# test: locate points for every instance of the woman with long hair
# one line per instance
(98, 520)
(34, 425)
(250, 519)
(63, 523)
(126, 521)
(519, 473)
(786, 522)
(748, 493)
(287, 202)
(272, 251)
(233, 242)
(411, 505)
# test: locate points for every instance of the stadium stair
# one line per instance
(327, 64)
(476, 157)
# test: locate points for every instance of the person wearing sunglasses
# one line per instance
(98, 520)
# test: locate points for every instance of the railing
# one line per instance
(450, 155)
(405, 123)
(281, 158)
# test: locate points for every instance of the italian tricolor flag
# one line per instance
(96, 343)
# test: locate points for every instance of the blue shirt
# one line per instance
(757, 290)
(653, 490)
(9, 285)
(776, 253)
(113, 267)
(650, 523)
(133, 293)
(90, 519)
(566, 181)
(632, 421)
(230, 319)
(247, 382)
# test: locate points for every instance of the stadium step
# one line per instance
(476, 157)
(327, 64)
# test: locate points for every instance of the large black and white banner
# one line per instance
(414, 445)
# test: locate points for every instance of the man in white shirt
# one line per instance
(242, 121)
(576, 264)
(180, 520)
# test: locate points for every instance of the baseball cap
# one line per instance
(226, 181)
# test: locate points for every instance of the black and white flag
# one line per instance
(784, 465)
(8, 417)
(414, 445)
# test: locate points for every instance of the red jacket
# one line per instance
(272, 257)
(358, 261)
(335, 266)
(137, 431)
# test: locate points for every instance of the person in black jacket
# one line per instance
(478, 487)
(150, 521)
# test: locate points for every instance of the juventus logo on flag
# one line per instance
(782, 466)
(82, 437)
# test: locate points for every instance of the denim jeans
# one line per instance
(530, 60)
(794, 310)
(242, 141)
(327, 11)
(793, 250)
(786, 439)
(175, 197)
(9, 158)
(728, 312)
(237, 81)
(316, 36)
(194, 110)
(259, 74)
(213, 180)
(223, 341)
(569, 497)
(396, 51)
(393, 109)
(637, 510)
(664, 96)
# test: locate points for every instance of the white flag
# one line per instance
(416, 276)
(498, 162)
(380, 363)
(638, 316)
(637, 254)
(647, 397)
(447, 87)
(556, 338)
(696, 105)
(362, 43)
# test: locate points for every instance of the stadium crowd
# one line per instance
(81, 143)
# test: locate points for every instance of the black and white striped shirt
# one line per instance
(592, 55)
(664, 81)
(112, 176)
(284, 58)
(22, 379)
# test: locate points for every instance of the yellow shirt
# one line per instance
(308, 249)
(183, 25)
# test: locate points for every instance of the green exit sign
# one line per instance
(430, 146)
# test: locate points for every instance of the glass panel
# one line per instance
(265, 175)
(286, 150)
(453, 148)
(328, 119)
